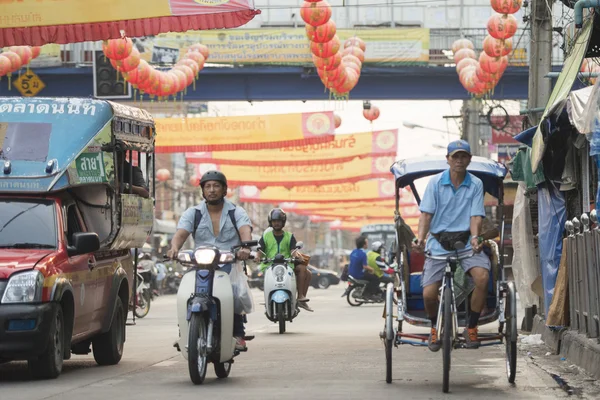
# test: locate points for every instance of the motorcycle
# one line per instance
(205, 308)
(280, 290)
(354, 293)
(143, 292)
(172, 280)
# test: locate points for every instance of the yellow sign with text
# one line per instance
(285, 45)
(296, 175)
(342, 149)
(29, 84)
(252, 132)
(27, 13)
(372, 190)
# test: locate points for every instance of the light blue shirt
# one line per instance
(452, 208)
(205, 235)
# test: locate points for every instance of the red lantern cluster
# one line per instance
(163, 175)
(479, 75)
(147, 79)
(339, 69)
(16, 57)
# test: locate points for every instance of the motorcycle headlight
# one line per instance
(279, 271)
(205, 256)
(24, 287)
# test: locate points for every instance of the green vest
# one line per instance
(273, 248)
(371, 261)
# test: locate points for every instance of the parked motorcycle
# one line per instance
(205, 308)
(280, 289)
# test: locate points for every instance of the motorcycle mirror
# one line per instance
(299, 245)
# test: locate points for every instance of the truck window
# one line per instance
(73, 223)
(25, 141)
(27, 224)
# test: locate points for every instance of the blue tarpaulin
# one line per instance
(552, 217)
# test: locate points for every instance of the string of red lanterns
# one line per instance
(480, 75)
(147, 79)
(15, 58)
(339, 69)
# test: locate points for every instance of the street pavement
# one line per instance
(333, 353)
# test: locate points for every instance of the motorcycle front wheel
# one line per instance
(281, 318)
(197, 357)
(143, 306)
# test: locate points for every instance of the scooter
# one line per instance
(280, 290)
(143, 293)
(205, 311)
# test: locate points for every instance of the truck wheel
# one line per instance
(49, 364)
(108, 347)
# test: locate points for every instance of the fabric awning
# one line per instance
(72, 21)
(563, 87)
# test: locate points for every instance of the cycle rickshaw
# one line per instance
(455, 297)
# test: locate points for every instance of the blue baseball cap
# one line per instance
(459, 145)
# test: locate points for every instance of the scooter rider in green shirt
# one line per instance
(278, 241)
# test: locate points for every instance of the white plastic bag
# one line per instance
(242, 297)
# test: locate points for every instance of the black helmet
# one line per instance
(277, 214)
(213, 176)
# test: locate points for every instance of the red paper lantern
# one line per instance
(180, 79)
(466, 62)
(502, 26)
(191, 64)
(24, 52)
(349, 83)
(350, 58)
(322, 33)
(506, 6)
(199, 48)
(462, 44)
(197, 58)
(493, 65)
(117, 49)
(188, 72)
(328, 63)
(371, 114)
(167, 85)
(315, 14)
(35, 51)
(355, 42)
(337, 120)
(15, 61)
(355, 51)
(139, 74)
(497, 47)
(484, 76)
(163, 175)
(5, 65)
(129, 63)
(152, 84)
(327, 49)
(194, 180)
(464, 53)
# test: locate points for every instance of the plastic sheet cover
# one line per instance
(524, 266)
(552, 217)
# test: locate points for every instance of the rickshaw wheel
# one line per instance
(447, 338)
(389, 331)
(511, 332)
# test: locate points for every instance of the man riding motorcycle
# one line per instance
(375, 261)
(277, 241)
(216, 222)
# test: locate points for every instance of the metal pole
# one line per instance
(540, 62)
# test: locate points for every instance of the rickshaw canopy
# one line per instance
(489, 171)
